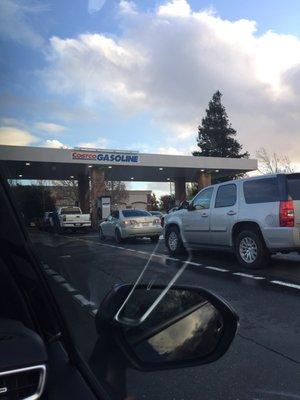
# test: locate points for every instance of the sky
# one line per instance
(139, 75)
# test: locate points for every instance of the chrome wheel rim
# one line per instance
(248, 250)
(173, 241)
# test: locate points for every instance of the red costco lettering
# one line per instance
(83, 156)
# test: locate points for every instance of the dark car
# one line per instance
(43, 318)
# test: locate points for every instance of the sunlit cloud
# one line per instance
(168, 62)
(13, 136)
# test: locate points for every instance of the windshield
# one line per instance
(157, 143)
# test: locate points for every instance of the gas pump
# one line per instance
(103, 207)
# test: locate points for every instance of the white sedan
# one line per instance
(123, 224)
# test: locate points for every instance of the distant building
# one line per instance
(136, 199)
(68, 195)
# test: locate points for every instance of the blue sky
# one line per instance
(138, 75)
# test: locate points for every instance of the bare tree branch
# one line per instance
(272, 164)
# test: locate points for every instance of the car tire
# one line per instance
(118, 237)
(101, 236)
(251, 251)
(154, 239)
(57, 228)
(174, 241)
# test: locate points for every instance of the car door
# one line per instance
(105, 226)
(196, 222)
(115, 216)
(223, 214)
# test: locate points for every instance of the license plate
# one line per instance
(145, 224)
(77, 224)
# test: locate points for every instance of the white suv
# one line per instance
(254, 217)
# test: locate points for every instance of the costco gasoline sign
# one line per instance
(110, 158)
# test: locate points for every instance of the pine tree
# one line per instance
(216, 137)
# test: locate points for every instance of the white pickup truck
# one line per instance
(70, 217)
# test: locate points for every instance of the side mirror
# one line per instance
(188, 326)
(191, 207)
(184, 205)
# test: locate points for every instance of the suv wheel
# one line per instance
(174, 242)
(251, 251)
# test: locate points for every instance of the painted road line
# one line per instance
(194, 263)
(82, 300)
(68, 287)
(248, 275)
(66, 256)
(216, 268)
(58, 278)
(291, 285)
(50, 271)
(94, 312)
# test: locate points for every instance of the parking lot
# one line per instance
(264, 360)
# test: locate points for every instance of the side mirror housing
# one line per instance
(191, 207)
(187, 326)
(184, 205)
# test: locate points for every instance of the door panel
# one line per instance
(105, 226)
(223, 214)
(196, 223)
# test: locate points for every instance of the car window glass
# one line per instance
(203, 199)
(293, 185)
(261, 190)
(135, 213)
(226, 196)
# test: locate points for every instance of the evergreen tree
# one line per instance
(216, 137)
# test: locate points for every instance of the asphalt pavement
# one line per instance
(264, 360)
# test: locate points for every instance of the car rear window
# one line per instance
(293, 186)
(261, 191)
(135, 213)
(70, 210)
(226, 196)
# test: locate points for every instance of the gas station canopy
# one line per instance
(63, 164)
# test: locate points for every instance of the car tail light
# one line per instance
(127, 222)
(287, 213)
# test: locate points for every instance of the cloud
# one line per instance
(95, 5)
(168, 63)
(50, 127)
(175, 8)
(14, 25)
(127, 7)
(55, 144)
(100, 143)
(10, 135)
